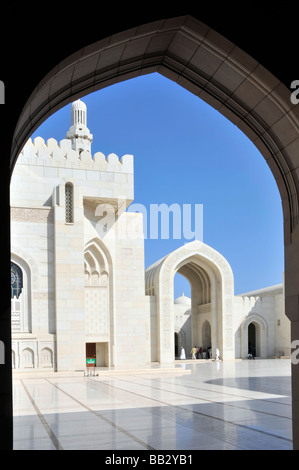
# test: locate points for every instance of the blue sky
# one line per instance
(185, 152)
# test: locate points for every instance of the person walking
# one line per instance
(193, 352)
(183, 353)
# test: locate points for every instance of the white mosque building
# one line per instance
(79, 293)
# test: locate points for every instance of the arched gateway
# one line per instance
(212, 293)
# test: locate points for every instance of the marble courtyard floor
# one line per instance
(191, 405)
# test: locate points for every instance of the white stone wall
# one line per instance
(151, 329)
(264, 308)
(33, 250)
(69, 283)
(33, 352)
(55, 250)
(130, 307)
(282, 328)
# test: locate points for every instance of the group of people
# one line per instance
(198, 353)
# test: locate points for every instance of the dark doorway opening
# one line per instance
(91, 354)
(176, 345)
(252, 339)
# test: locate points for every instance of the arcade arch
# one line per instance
(212, 290)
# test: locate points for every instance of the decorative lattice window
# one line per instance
(69, 217)
(16, 280)
(16, 283)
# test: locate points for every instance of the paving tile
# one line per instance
(233, 405)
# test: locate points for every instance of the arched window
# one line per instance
(69, 216)
(16, 280)
(16, 285)
(20, 297)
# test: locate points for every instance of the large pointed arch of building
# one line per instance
(212, 290)
(188, 52)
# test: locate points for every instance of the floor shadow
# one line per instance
(276, 385)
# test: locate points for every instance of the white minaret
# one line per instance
(78, 132)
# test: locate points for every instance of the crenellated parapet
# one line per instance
(61, 155)
(43, 166)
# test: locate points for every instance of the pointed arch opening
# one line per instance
(211, 280)
(254, 337)
(99, 318)
(182, 315)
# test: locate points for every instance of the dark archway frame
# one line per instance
(196, 57)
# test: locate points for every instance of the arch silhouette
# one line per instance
(190, 53)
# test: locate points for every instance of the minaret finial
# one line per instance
(79, 133)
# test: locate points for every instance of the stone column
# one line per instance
(6, 412)
(69, 282)
(6, 427)
(130, 317)
(295, 385)
(292, 312)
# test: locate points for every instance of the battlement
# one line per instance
(61, 155)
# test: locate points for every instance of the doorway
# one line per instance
(176, 345)
(97, 354)
(252, 339)
(90, 354)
